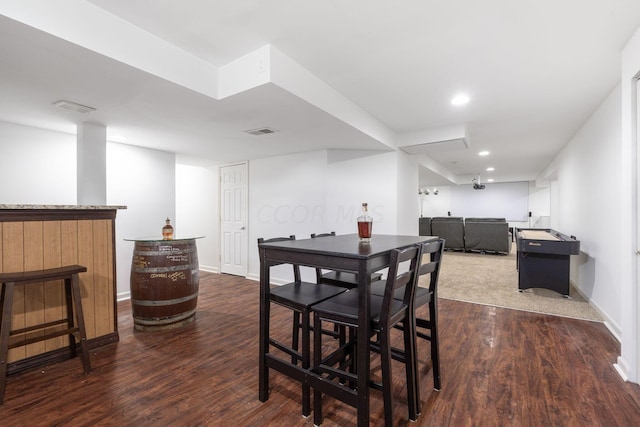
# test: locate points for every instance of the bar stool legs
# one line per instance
(7, 303)
(74, 325)
(82, 333)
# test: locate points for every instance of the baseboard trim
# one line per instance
(622, 368)
(609, 323)
(123, 296)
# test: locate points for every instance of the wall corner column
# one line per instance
(91, 164)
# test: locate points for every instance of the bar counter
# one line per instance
(35, 237)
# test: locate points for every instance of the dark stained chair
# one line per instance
(298, 296)
(426, 329)
(385, 311)
(339, 278)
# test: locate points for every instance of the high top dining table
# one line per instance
(343, 253)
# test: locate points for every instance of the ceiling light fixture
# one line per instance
(425, 191)
(460, 99)
(490, 180)
(73, 106)
(490, 169)
(483, 153)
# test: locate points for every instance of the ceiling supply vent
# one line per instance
(261, 131)
(73, 106)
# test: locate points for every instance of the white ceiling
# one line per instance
(534, 71)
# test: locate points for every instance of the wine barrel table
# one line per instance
(164, 283)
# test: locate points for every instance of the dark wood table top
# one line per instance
(348, 245)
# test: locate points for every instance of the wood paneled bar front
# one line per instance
(36, 237)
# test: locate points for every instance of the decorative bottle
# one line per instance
(167, 230)
(365, 223)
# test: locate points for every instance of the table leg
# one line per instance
(363, 350)
(263, 370)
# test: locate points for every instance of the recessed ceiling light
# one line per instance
(490, 169)
(460, 99)
(73, 106)
(483, 153)
(490, 180)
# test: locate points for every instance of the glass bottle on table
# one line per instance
(365, 224)
(167, 230)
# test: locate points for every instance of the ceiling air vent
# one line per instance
(261, 131)
(73, 106)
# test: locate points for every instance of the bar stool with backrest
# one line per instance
(300, 297)
(424, 296)
(71, 326)
(339, 278)
(385, 312)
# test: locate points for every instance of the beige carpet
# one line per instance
(493, 280)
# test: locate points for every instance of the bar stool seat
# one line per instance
(74, 329)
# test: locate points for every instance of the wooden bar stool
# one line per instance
(73, 299)
(385, 313)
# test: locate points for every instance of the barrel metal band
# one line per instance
(148, 303)
(186, 267)
(160, 253)
(164, 321)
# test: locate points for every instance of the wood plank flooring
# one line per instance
(500, 367)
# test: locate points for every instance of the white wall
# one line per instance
(539, 206)
(323, 191)
(589, 204)
(36, 166)
(628, 364)
(144, 181)
(441, 204)
(287, 195)
(197, 211)
(370, 178)
(435, 205)
(407, 201)
(42, 166)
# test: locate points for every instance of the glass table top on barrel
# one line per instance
(164, 282)
(161, 239)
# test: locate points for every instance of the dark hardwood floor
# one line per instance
(500, 367)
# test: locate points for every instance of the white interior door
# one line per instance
(233, 221)
(635, 341)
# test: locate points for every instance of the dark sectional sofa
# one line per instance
(487, 235)
(470, 234)
(451, 229)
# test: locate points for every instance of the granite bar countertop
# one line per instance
(61, 207)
